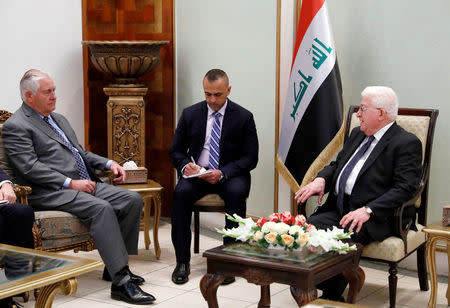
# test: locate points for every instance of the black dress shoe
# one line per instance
(134, 278)
(131, 293)
(181, 273)
(228, 280)
(9, 303)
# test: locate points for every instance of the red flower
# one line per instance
(261, 221)
(310, 227)
(300, 220)
(287, 218)
(274, 217)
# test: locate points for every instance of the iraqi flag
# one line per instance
(313, 113)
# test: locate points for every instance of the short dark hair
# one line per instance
(215, 73)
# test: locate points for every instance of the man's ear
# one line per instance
(28, 96)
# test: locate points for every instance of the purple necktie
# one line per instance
(346, 173)
(82, 171)
(214, 143)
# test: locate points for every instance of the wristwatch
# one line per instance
(222, 177)
(368, 210)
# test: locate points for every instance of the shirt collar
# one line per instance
(221, 110)
(382, 131)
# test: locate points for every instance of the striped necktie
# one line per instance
(346, 173)
(82, 170)
(214, 143)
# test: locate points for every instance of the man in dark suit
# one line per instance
(47, 156)
(16, 223)
(377, 170)
(219, 135)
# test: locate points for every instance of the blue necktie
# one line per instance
(346, 173)
(214, 143)
(82, 171)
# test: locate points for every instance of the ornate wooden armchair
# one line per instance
(53, 230)
(394, 249)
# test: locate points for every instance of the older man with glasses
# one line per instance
(376, 171)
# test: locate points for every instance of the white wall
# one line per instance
(403, 44)
(240, 38)
(44, 34)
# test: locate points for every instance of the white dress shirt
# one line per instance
(204, 156)
(354, 174)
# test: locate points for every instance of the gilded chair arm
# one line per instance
(22, 193)
(401, 231)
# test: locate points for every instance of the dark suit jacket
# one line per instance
(40, 157)
(3, 176)
(388, 178)
(238, 140)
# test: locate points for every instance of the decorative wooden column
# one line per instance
(126, 124)
(125, 61)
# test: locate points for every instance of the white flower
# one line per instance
(302, 239)
(281, 228)
(258, 235)
(268, 227)
(295, 229)
(271, 237)
(287, 240)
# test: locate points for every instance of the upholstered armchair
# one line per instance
(53, 230)
(394, 249)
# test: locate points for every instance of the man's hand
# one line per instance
(315, 187)
(82, 185)
(213, 177)
(119, 173)
(7, 193)
(191, 169)
(357, 218)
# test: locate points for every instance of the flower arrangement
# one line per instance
(288, 232)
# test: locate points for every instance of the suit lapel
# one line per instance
(226, 123)
(204, 119)
(384, 141)
(39, 123)
(349, 151)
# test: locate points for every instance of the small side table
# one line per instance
(436, 232)
(151, 191)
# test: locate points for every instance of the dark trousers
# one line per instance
(233, 191)
(335, 286)
(16, 223)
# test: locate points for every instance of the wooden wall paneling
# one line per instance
(133, 20)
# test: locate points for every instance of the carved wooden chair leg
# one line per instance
(422, 268)
(392, 284)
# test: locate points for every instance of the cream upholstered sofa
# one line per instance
(394, 249)
(53, 230)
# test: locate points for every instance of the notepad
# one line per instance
(202, 171)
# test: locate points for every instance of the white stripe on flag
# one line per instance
(317, 45)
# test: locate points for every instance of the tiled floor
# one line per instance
(93, 292)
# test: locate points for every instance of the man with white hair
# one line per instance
(377, 170)
(46, 155)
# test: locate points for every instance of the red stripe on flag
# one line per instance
(308, 11)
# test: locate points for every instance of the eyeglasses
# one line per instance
(364, 108)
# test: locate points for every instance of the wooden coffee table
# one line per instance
(301, 276)
(40, 269)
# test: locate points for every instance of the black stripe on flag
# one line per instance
(318, 126)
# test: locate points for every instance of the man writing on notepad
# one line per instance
(219, 136)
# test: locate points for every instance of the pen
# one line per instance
(192, 159)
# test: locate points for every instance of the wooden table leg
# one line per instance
(208, 287)
(431, 259)
(48, 293)
(157, 203)
(302, 297)
(147, 207)
(355, 280)
(264, 301)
